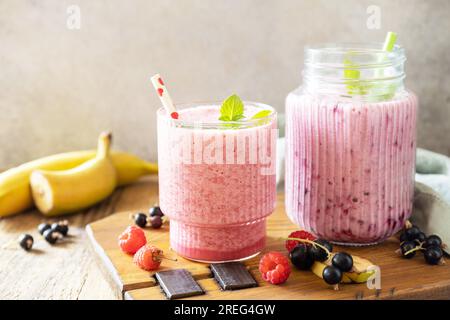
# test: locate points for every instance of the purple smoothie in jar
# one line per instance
(350, 144)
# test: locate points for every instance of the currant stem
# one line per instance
(167, 258)
(315, 244)
(412, 250)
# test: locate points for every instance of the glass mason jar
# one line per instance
(216, 181)
(350, 144)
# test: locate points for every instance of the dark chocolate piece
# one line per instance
(233, 276)
(178, 283)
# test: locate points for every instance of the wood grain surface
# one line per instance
(400, 278)
(67, 270)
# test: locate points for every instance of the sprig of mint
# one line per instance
(353, 75)
(232, 109)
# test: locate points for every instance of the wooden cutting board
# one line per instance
(400, 278)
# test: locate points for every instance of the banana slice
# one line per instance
(317, 269)
(359, 273)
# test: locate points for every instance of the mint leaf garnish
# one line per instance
(354, 85)
(262, 114)
(232, 109)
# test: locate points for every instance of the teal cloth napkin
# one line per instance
(432, 188)
(432, 194)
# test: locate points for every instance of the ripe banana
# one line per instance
(15, 194)
(359, 274)
(66, 191)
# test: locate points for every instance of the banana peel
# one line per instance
(359, 273)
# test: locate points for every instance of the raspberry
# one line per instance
(274, 267)
(302, 234)
(148, 257)
(132, 239)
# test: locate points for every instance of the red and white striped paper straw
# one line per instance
(163, 94)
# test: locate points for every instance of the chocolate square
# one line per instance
(232, 276)
(178, 283)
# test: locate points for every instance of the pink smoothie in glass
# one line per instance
(216, 193)
(350, 166)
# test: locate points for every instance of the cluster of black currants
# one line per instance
(307, 252)
(154, 219)
(412, 240)
(51, 233)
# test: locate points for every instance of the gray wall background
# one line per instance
(59, 88)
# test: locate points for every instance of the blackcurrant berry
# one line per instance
(61, 228)
(408, 246)
(140, 219)
(433, 241)
(433, 255)
(26, 242)
(51, 236)
(155, 211)
(343, 261)
(42, 227)
(403, 237)
(156, 222)
(412, 233)
(65, 227)
(332, 275)
(301, 257)
(318, 253)
(421, 237)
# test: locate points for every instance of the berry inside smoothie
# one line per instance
(217, 181)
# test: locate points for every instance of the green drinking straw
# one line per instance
(352, 74)
(389, 42)
(388, 46)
